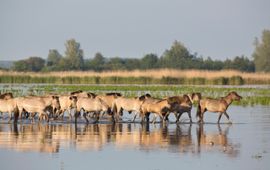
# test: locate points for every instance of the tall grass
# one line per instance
(162, 76)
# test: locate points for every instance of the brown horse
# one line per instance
(127, 104)
(109, 99)
(38, 104)
(161, 108)
(95, 105)
(184, 104)
(216, 105)
(67, 103)
(180, 104)
(147, 100)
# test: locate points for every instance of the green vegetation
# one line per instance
(251, 95)
(261, 54)
(234, 80)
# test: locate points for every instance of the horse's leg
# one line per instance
(112, 118)
(203, 110)
(84, 115)
(178, 117)
(15, 115)
(227, 116)
(154, 119)
(166, 117)
(134, 116)
(162, 118)
(97, 117)
(60, 114)
(147, 117)
(69, 114)
(47, 117)
(142, 116)
(102, 115)
(76, 115)
(219, 117)
(39, 117)
(10, 117)
(189, 115)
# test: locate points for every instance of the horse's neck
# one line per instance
(227, 99)
(48, 102)
(163, 103)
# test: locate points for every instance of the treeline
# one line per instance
(177, 57)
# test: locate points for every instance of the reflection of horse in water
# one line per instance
(28, 138)
(215, 141)
(146, 137)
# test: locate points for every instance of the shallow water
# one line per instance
(243, 145)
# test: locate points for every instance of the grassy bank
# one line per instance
(164, 76)
(251, 95)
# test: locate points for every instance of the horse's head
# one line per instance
(196, 96)
(73, 100)
(233, 95)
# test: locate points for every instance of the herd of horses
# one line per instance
(113, 104)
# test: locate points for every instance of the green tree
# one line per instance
(53, 58)
(210, 64)
(132, 63)
(74, 55)
(149, 61)
(97, 63)
(116, 63)
(239, 63)
(261, 53)
(176, 57)
(31, 64)
(20, 65)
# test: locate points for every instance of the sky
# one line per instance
(131, 28)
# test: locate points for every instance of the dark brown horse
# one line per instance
(217, 105)
(182, 104)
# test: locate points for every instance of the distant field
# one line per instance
(161, 76)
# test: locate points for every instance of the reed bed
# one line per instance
(158, 76)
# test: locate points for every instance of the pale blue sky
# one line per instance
(131, 28)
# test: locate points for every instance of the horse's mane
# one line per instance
(76, 92)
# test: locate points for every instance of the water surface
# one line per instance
(243, 145)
